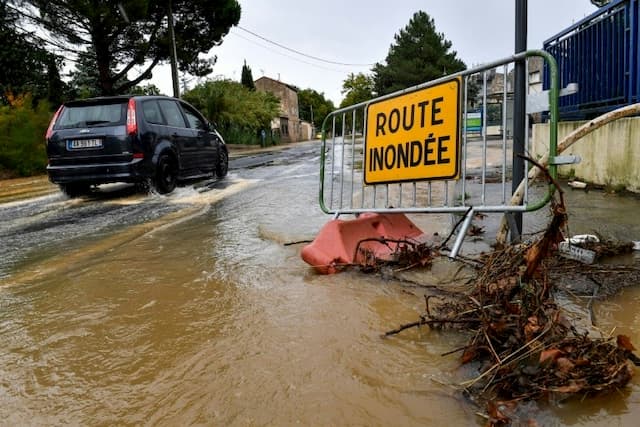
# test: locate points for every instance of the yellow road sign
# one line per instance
(414, 136)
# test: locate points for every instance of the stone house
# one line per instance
(288, 125)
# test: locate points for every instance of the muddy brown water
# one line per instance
(200, 315)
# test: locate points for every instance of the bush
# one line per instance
(22, 130)
(239, 113)
(237, 135)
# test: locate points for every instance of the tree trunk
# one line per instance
(103, 59)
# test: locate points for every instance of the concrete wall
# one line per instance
(610, 155)
(306, 131)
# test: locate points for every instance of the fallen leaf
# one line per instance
(582, 362)
(469, 354)
(475, 230)
(531, 328)
(624, 342)
(513, 308)
(565, 365)
(498, 326)
(550, 355)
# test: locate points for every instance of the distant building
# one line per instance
(496, 96)
(288, 124)
(534, 69)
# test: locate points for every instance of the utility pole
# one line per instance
(519, 108)
(174, 55)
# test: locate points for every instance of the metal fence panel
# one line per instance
(483, 160)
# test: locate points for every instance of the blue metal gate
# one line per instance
(602, 54)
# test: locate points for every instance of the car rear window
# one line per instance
(92, 115)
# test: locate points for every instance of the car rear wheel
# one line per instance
(75, 190)
(166, 175)
(223, 163)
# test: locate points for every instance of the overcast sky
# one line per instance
(361, 31)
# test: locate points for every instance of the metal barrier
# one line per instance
(482, 182)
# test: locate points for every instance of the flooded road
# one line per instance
(134, 309)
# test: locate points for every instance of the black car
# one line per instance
(133, 139)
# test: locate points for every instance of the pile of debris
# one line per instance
(522, 344)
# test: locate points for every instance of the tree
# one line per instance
(313, 106)
(22, 126)
(419, 54)
(247, 77)
(357, 88)
(84, 81)
(148, 89)
(237, 111)
(125, 34)
(25, 67)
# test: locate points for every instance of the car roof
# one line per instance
(112, 100)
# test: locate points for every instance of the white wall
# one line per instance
(610, 155)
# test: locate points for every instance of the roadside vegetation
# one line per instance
(237, 111)
(22, 129)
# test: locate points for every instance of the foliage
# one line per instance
(25, 66)
(357, 88)
(247, 77)
(84, 81)
(311, 103)
(238, 112)
(22, 130)
(494, 114)
(148, 89)
(133, 33)
(419, 54)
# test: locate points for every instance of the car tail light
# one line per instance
(132, 124)
(138, 155)
(53, 122)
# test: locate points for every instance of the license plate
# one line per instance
(81, 144)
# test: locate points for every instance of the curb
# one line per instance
(236, 151)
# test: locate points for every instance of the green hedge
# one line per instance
(235, 135)
(22, 131)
